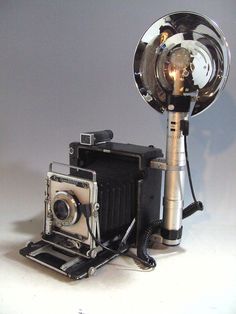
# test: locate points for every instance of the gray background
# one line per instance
(66, 67)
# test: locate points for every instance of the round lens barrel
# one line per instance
(61, 209)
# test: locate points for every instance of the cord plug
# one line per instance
(192, 208)
(184, 127)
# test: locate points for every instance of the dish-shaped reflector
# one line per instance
(183, 53)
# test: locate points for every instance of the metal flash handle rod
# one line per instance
(173, 202)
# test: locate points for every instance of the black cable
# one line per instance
(188, 169)
(144, 241)
(119, 251)
(197, 205)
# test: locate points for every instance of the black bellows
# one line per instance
(127, 187)
(117, 193)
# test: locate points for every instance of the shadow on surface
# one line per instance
(157, 251)
(31, 226)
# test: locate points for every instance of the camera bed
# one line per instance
(74, 266)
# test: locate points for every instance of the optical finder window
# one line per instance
(86, 139)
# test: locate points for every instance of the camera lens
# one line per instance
(65, 208)
(61, 209)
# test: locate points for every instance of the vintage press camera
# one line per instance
(108, 199)
(101, 208)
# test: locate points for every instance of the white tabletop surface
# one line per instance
(199, 276)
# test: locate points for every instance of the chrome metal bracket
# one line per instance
(160, 164)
